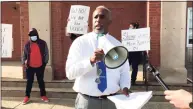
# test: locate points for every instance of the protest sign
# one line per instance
(79, 12)
(6, 41)
(77, 27)
(78, 19)
(136, 39)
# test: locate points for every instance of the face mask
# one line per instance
(33, 38)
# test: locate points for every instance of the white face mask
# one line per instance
(33, 38)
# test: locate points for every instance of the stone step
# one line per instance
(51, 92)
(12, 69)
(48, 84)
(62, 93)
(69, 84)
(15, 102)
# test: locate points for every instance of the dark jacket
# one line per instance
(43, 49)
(138, 57)
(74, 36)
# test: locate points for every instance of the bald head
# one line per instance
(101, 19)
(107, 10)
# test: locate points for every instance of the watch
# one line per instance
(191, 105)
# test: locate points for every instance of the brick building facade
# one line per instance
(23, 16)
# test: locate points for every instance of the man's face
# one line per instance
(101, 21)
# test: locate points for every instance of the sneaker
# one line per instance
(26, 100)
(45, 99)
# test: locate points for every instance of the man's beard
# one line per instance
(101, 31)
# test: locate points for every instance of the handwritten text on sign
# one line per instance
(6, 41)
(77, 27)
(79, 12)
(78, 19)
(136, 39)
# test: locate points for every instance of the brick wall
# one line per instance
(122, 14)
(155, 25)
(190, 4)
(11, 15)
(16, 13)
(24, 26)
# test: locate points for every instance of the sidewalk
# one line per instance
(36, 103)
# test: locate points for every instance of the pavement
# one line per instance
(55, 103)
(36, 103)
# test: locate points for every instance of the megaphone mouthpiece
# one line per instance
(116, 57)
(113, 54)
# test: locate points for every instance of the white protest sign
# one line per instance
(136, 39)
(78, 27)
(6, 41)
(79, 12)
(78, 19)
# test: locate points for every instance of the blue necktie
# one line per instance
(102, 76)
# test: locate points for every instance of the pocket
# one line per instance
(25, 69)
(81, 102)
(77, 98)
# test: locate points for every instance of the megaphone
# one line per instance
(115, 54)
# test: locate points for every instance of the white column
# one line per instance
(40, 18)
(173, 31)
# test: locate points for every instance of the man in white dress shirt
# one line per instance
(84, 60)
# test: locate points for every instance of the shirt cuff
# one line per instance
(123, 86)
(88, 65)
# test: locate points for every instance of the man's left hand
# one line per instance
(126, 91)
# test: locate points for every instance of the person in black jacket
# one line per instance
(73, 36)
(135, 57)
(35, 57)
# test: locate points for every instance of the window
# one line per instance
(189, 28)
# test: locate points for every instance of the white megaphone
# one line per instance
(115, 54)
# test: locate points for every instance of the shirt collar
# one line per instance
(97, 34)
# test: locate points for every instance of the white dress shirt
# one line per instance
(78, 67)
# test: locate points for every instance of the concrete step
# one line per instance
(12, 69)
(48, 84)
(69, 84)
(62, 93)
(51, 92)
(55, 103)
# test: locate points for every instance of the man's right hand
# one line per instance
(98, 56)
